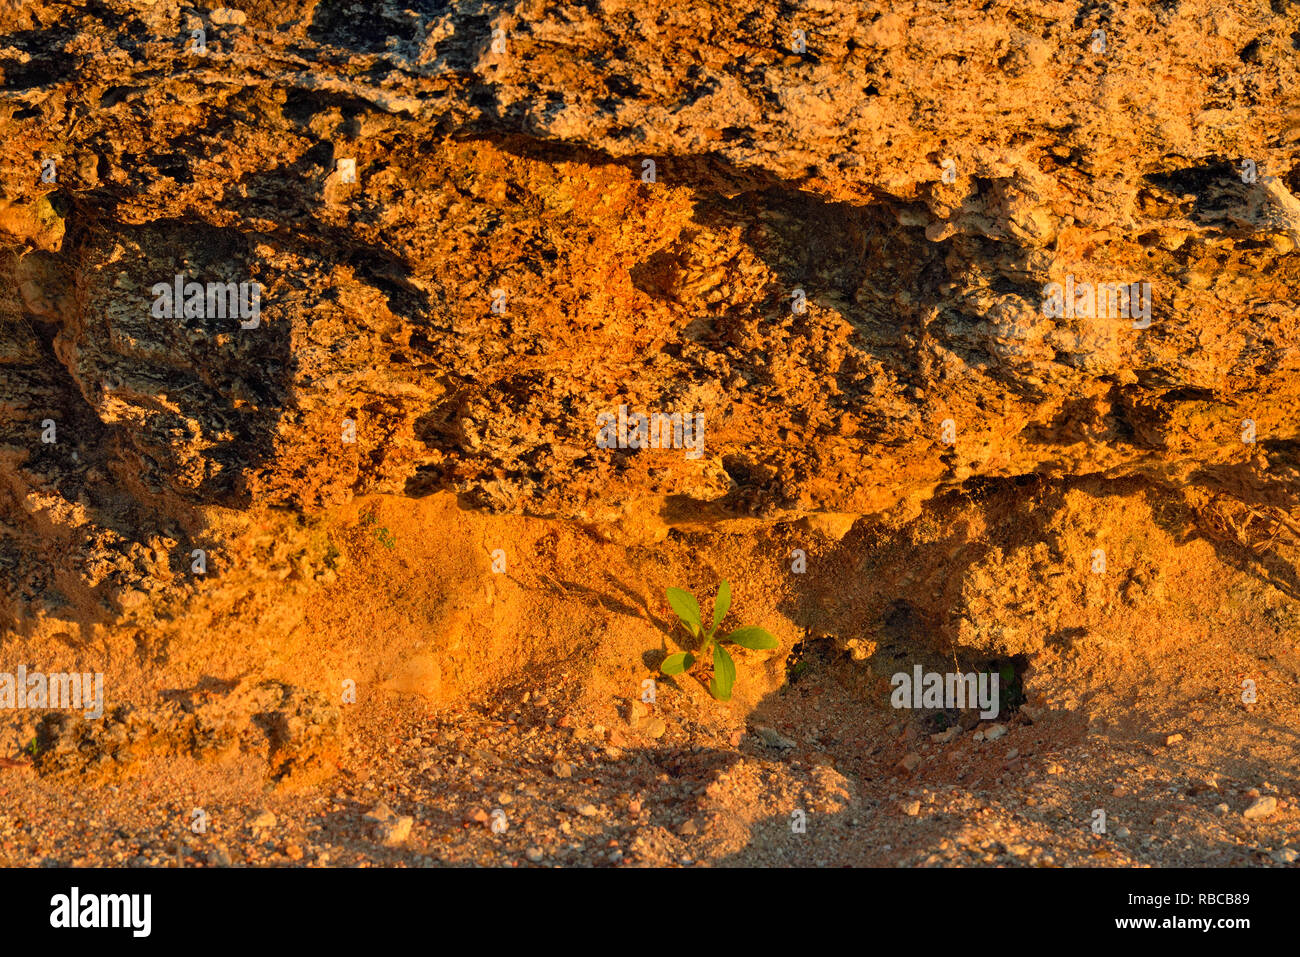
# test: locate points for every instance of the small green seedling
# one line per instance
(724, 669)
(382, 535)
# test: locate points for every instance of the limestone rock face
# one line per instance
(881, 250)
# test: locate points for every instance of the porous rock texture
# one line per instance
(563, 208)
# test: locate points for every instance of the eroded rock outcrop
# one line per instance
(826, 227)
(295, 733)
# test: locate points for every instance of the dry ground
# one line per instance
(519, 691)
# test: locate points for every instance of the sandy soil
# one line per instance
(498, 717)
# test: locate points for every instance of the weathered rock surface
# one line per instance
(501, 161)
(295, 732)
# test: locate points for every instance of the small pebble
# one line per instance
(261, 819)
(395, 831)
(1260, 808)
(773, 738)
(219, 856)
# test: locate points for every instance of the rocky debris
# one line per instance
(391, 828)
(219, 856)
(831, 525)
(652, 727)
(644, 721)
(773, 738)
(698, 798)
(1260, 808)
(296, 732)
(394, 832)
(261, 820)
(225, 16)
(909, 762)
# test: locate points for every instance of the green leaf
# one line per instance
(724, 674)
(676, 664)
(751, 636)
(720, 604)
(686, 607)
